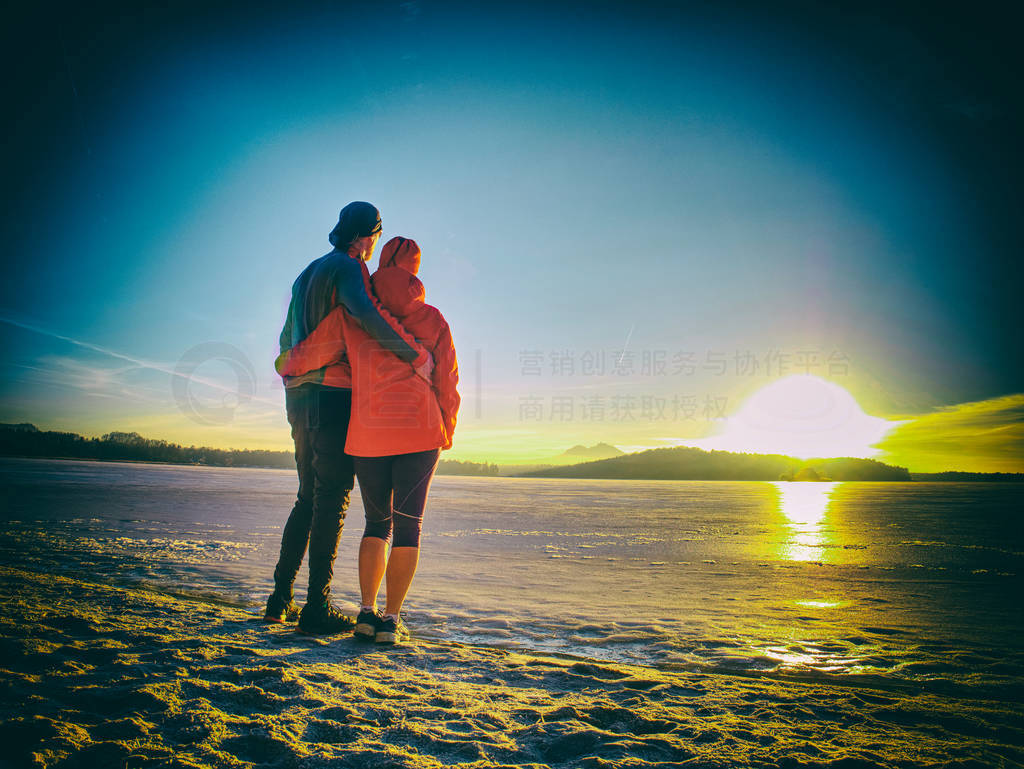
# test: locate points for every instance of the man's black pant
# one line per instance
(319, 419)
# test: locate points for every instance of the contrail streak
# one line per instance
(136, 361)
(626, 344)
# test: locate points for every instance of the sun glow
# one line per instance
(801, 416)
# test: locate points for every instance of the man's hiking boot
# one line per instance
(281, 610)
(390, 631)
(366, 625)
(323, 619)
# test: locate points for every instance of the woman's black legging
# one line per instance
(394, 491)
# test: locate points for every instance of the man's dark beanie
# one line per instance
(356, 220)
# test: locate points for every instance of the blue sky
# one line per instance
(696, 182)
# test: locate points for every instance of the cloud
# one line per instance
(95, 380)
(980, 436)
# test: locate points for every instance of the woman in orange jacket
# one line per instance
(398, 427)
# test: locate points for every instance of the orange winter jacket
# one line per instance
(394, 411)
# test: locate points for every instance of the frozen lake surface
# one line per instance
(911, 586)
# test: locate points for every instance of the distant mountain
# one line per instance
(597, 451)
(686, 463)
(571, 456)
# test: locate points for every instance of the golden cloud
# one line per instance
(980, 436)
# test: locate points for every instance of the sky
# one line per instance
(634, 217)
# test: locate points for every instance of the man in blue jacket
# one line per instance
(318, 405)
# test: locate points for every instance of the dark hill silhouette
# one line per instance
(686, 463)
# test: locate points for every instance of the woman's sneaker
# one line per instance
(323, 619)
(281, 610)
(366, 624)
(390, 631)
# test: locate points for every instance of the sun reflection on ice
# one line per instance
(804, 506)
(819, 604)
(809, 639)
(810, 657)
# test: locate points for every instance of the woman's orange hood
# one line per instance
(400, 252)
(395, 281)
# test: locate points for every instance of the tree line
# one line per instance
(25, 440)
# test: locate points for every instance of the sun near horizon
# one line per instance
(802, 416)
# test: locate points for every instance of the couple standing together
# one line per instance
(370, 380)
